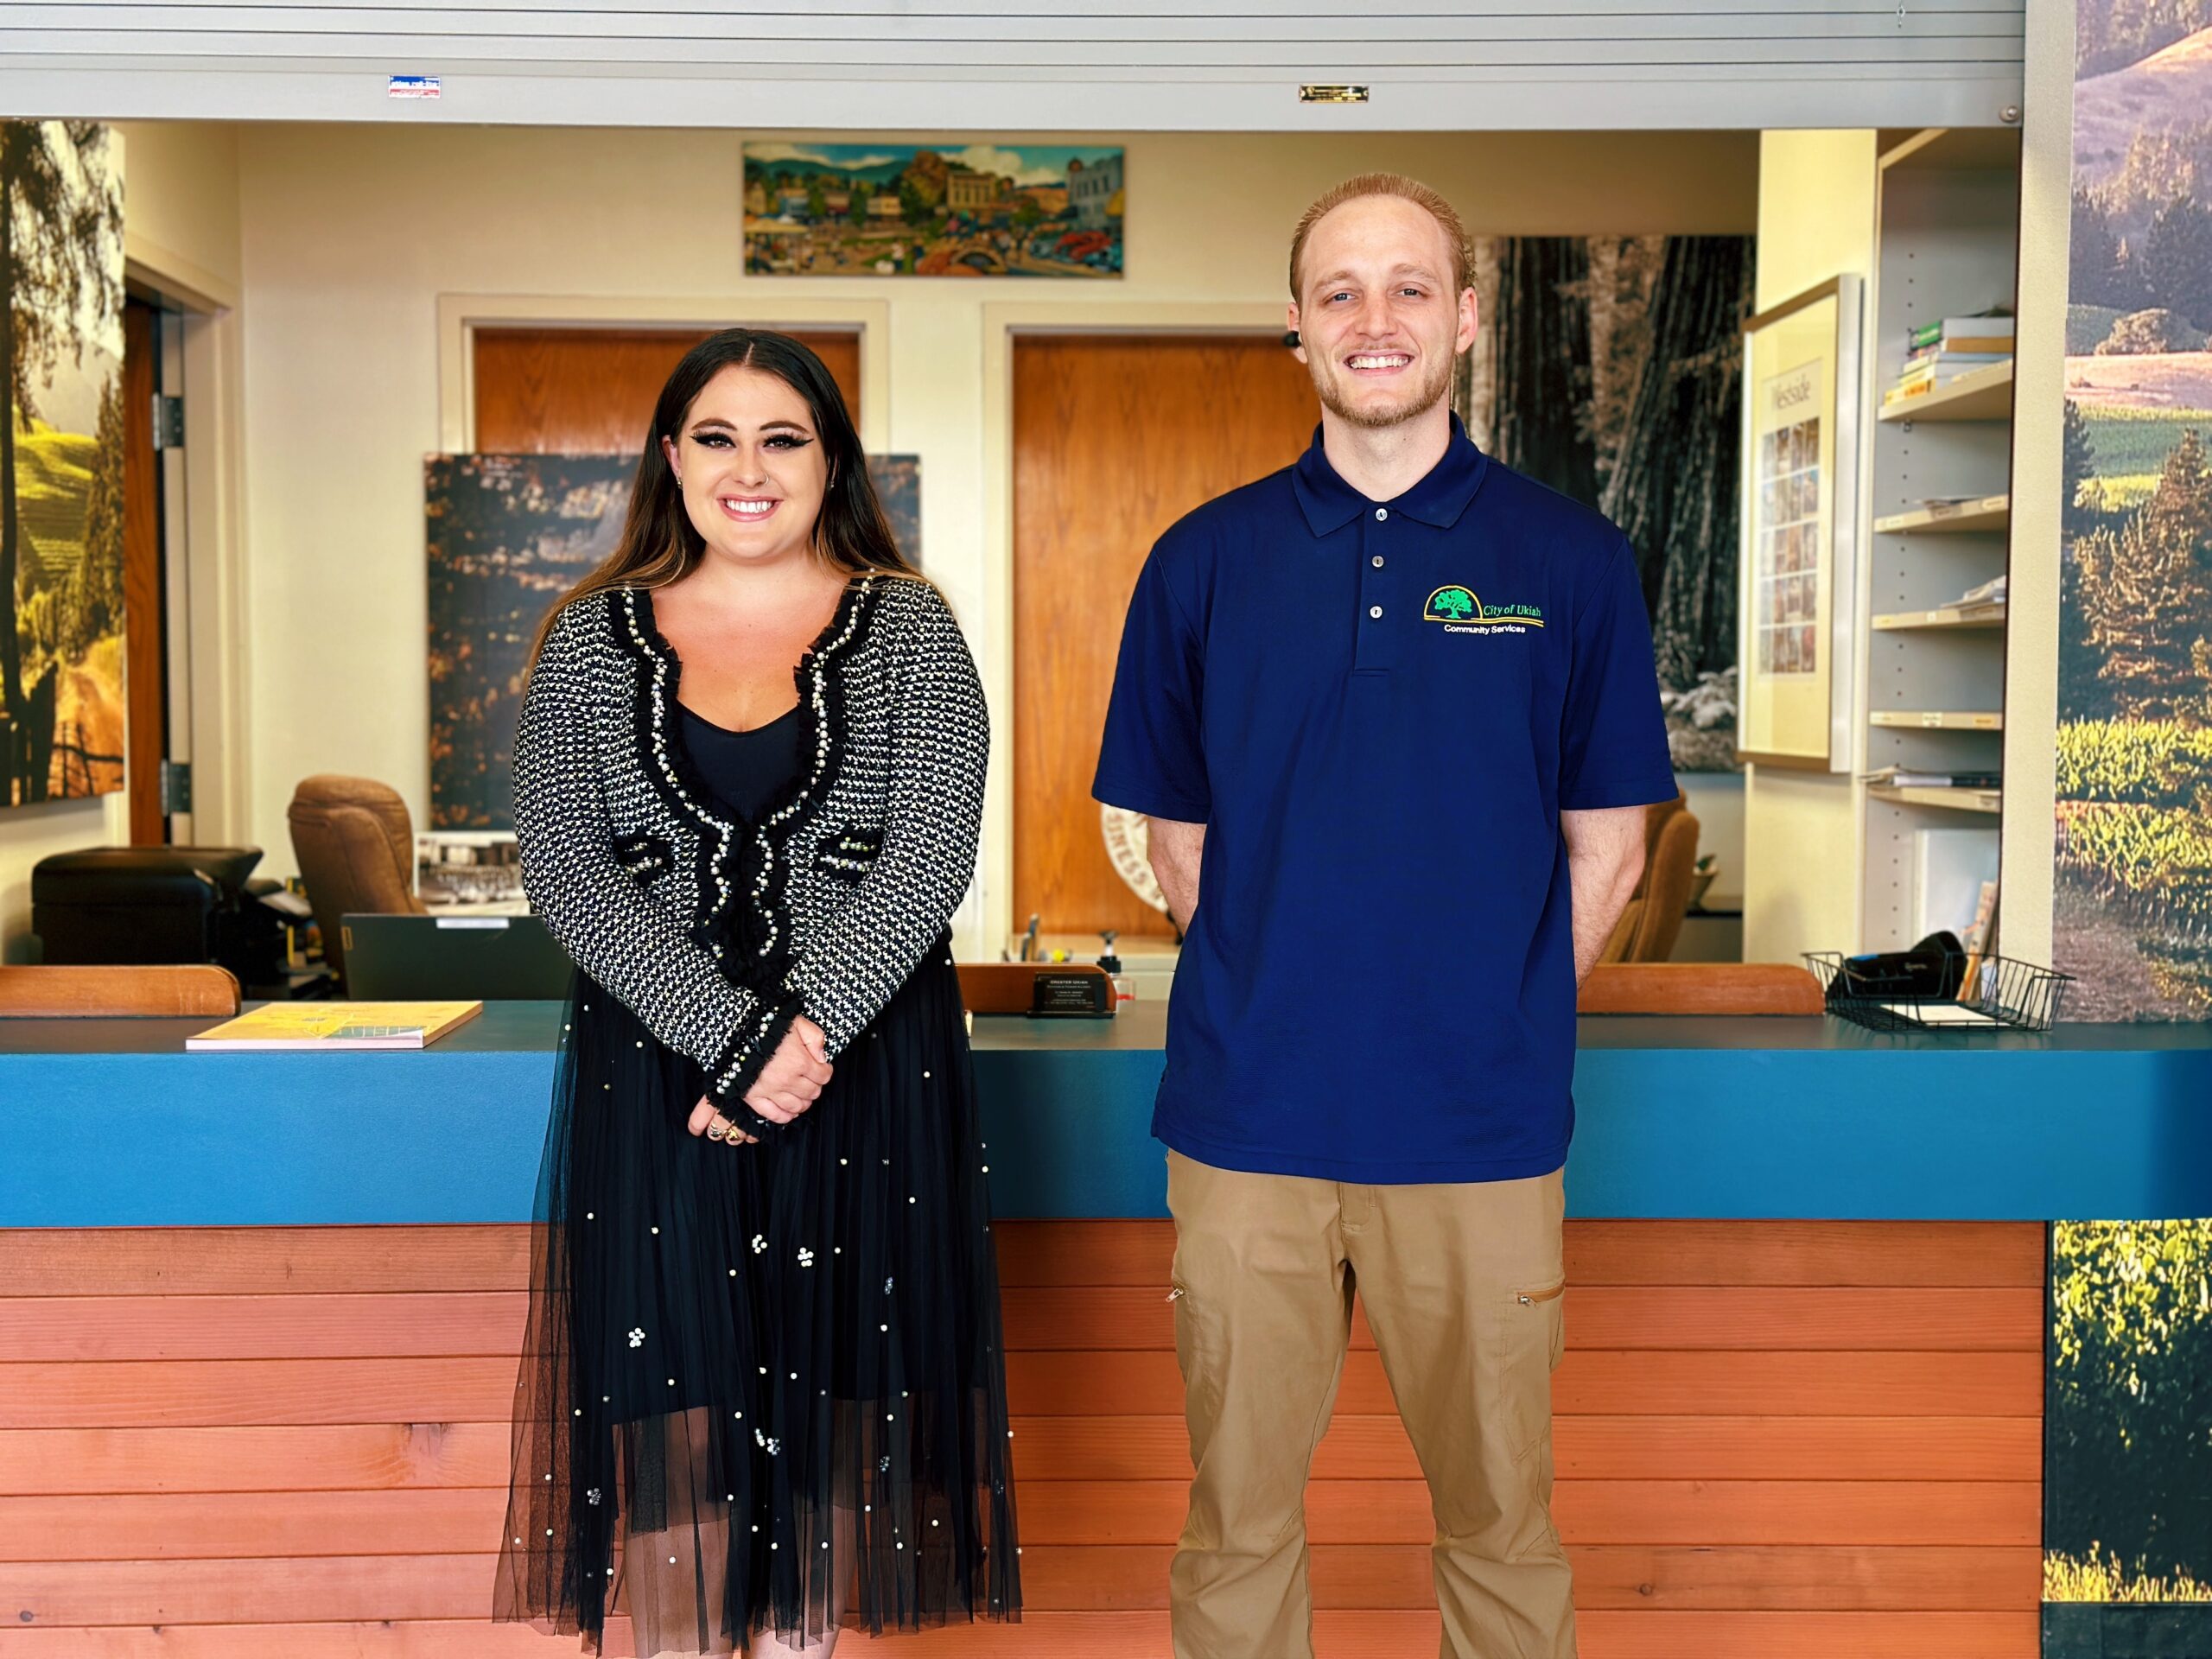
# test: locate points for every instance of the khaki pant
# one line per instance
(1462, 1285)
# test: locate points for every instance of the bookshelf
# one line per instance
(1938, 499)
(1936, 720)
(1978, 395)
(1943, 616)
(1987, 512)
(1940, 800)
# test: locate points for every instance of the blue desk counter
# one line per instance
(109, 1122)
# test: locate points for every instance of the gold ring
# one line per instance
(719, 1128)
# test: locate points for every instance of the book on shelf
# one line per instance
(1919, 378)
(1962, 329)
(334, 1027)
(1895, 776)
(1944, 350)
(1948, 366)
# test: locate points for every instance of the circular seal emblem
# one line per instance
(1129, 837)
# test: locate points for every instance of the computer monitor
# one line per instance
(453, 958)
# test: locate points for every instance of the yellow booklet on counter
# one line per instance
(334, 1026)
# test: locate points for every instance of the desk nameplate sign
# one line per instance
(1057, 997)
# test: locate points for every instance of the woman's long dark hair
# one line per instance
(660, 545)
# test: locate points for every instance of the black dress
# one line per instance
(778, 1366)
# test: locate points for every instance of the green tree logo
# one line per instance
(1452, 604)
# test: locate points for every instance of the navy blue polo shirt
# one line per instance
(1379, 711)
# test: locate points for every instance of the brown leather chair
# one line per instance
(52, 992)
(356, 849)
(1653, 921)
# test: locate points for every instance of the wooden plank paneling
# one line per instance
(1671, 1385)
(365, 1457)
(136, 1393)
(1349, 1635)
(1881, 1255)
(262, 1327)
(231, 1261)
(1668, 1317)
(591, 392)
(1115, 438)
(375, 1456)
(1107, 1317)
(248, 1260)
(1396, 1576)
(184, 1393)
(1810, 1439)
(224, 1525)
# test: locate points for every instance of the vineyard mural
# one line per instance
(2134, 832)
(1610, 368)
(2127, 1483)
(2127, 1526)
(61, 461)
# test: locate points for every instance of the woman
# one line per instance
(764, 1330)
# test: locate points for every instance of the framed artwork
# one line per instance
(977, 209)
(62, 693)
(1800, 506)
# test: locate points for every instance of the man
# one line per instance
(1393, 715)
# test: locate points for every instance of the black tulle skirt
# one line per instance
(762, 1387)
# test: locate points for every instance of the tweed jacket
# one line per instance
(718, 932)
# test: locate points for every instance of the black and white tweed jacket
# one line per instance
(718, 932)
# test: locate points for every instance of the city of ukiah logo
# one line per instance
(1461, 612)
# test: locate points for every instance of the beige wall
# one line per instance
(1801, 852)
(350, 234)
(181, 215)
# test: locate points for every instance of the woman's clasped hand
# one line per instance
(790, 1083)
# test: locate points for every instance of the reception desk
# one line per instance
(258, 1331)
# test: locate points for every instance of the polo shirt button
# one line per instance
(1375, 611)
(1377, 560)
(1382, 512)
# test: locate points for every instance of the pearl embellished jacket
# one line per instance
(718, 932)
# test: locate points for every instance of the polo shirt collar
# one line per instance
(1438, 500)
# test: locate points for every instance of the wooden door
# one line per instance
(1115, 438)
(590, 392)
(145, 672)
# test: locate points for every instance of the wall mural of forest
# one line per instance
(2127, 1494)
(1610, 368)
(61, 461)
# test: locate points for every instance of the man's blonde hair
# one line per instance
(1388, 184)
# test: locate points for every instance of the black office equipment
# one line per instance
(158, 904)
(453, 958)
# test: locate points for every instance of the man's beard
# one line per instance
(1436, 381)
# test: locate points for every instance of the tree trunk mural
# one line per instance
(1612, 369)
(1674, 487)
(1540, 345)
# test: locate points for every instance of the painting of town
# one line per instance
(506, 536)
(976, 210)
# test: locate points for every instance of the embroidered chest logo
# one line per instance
(1461, 612)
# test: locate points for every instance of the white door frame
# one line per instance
(209, 567)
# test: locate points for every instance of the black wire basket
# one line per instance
(1946, 990)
